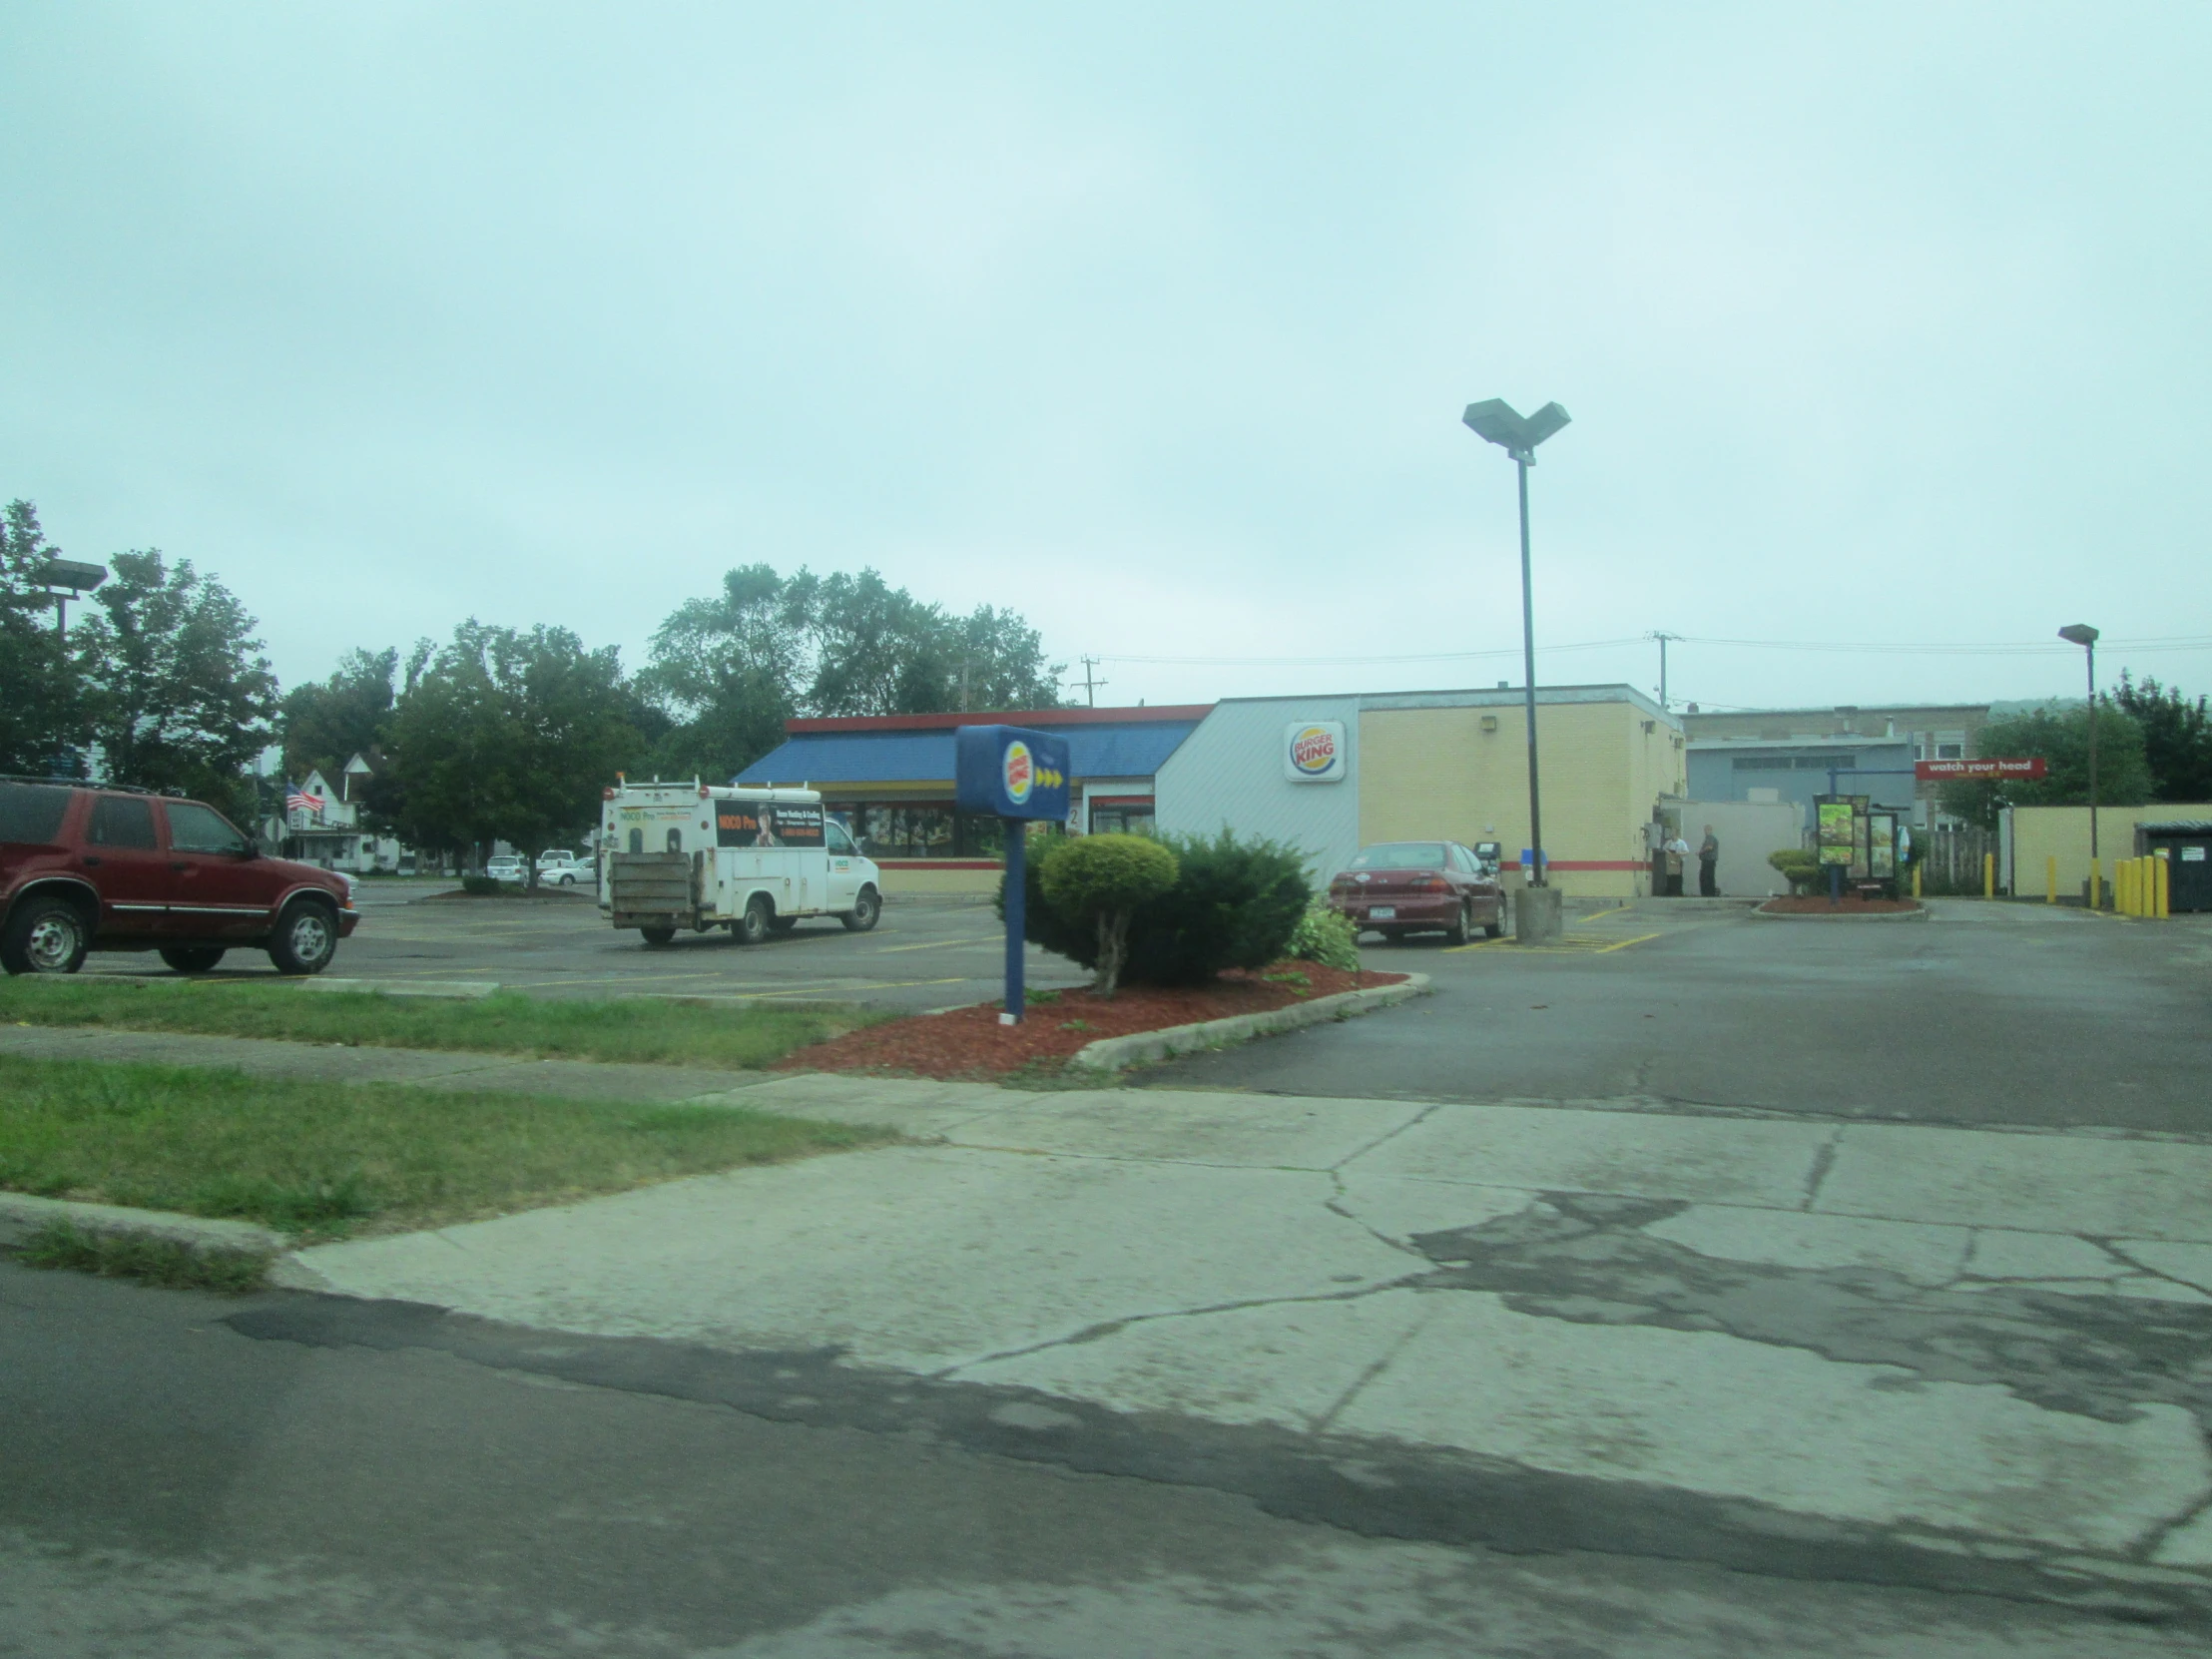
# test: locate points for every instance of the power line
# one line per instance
(2166, 642)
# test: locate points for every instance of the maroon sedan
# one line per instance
(1401, 887)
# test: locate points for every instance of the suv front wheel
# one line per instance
(306, 938)
(45, 936)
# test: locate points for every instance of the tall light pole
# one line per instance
(2081, 634)
(1518, 434)
(78, 578)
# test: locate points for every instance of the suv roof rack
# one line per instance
(89, 783)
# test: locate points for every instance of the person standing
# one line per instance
(1708, 866)
(1677, 850)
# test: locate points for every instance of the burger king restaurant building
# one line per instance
(1327, 774)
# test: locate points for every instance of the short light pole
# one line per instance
(2081, 634)
(1497, 421)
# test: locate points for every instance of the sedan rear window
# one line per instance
(1401, 855)
(31, 813)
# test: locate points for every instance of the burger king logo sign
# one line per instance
(1019, 771)
(1314, 750)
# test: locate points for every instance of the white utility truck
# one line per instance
(693, 855)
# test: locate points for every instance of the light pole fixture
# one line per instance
(79, 579)
(2081, 634)
(1518, 434)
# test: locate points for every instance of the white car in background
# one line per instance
(506, 867)
(563, 870)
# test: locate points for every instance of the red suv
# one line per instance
(89, 868)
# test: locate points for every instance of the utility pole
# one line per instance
(1091, 682)
(1662, 638)
(963, 685)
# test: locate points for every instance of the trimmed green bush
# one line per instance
(1099, 881)
(1800, 866)
(1326, 937)
(1235, 904)
(483, 886)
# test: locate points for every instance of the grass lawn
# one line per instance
(326, 1160)
(600, 1028)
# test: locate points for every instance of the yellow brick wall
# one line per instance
(2038, 833)
(1437, 771)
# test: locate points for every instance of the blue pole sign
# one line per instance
(1016, 776)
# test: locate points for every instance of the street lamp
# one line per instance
(80, 578)
(1518, 434)
(2081, 634)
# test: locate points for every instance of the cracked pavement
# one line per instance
(1936, 1355)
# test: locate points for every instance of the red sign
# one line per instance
(1934, 772)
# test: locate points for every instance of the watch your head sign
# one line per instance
(2028, 768)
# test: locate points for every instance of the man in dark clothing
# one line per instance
(1708, 861)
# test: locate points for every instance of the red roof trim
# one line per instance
(1045, 718)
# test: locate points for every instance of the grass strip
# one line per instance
(170, 1263)
(651, 1029)
(324, 1161)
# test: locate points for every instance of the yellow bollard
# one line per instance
(2050, 879)
(2132, 884)
(2096, 886)
(2161, 875)
(1989, 876)
(1915, 878)
(2119, 886)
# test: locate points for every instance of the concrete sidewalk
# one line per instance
(1969, 1357)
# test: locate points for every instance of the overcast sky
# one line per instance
(1878, 324)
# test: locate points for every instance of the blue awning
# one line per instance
(841, 759)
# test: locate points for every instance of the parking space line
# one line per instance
(936, 944)
(1569, 945)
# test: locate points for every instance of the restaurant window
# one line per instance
(1110, 817)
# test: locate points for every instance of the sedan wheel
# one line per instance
(1462, 928)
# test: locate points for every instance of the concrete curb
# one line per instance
(1919, 914)
(1113, 1054)
(21, 1215)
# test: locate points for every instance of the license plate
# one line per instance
(1383, 913)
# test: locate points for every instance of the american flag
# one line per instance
(301, 799)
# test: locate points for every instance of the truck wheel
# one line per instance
(759, 918)
(306, 938)
(656, 936)
(192, 958)
(45, 936)
(867, 911)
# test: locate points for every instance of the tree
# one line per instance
(2177, 738)
(326, 722)
(505, 736)
(175, 689)
(733, 668)
(1099, 881)
(2061, 738)
(41, 715)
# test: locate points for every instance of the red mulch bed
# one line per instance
(1850, 905)
(969, 1042)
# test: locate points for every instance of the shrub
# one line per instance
(1801, 866)
(483, 886)
(1326, 937)
(1099, 881)
(1234, 904)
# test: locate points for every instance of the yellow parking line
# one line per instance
(939, 944)
(1624, 943)
(1614, 911)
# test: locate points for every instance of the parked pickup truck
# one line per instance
(690, 857)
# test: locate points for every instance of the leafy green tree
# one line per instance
(41, 715)
(732, 668)
(178, 692)
(2177, 738)
(327, 722)
(1099, 881)
(506, 736)
(2061, 738)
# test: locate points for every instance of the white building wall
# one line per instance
(1229, 773)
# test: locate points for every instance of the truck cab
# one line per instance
(693, 857)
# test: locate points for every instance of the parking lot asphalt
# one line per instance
(1987, 1012)
(925, 953)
